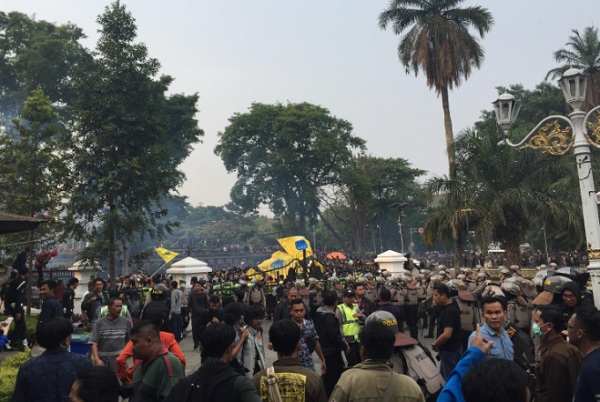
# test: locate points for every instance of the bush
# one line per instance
(9, 368)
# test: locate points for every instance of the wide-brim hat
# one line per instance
(388, 319)
(543, 298)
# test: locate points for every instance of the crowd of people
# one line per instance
(500, 337)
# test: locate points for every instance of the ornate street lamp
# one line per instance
(549, 136)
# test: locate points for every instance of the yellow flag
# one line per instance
(166, 254)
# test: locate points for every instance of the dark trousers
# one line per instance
(353, 357)
(196, 328)
(411, 320)
(335, 368)
(433, 315)
(176, 325)
(20, 331)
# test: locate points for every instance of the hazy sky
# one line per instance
(327, 52)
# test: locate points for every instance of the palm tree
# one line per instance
(439, 43)
(504, 195)
(584, 54)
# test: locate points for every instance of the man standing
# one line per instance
(332, 342)
(69, 297)
(51, 307)
(447, 343)
(197, 303)
(374, 379)
(94, 301)
(159, 371)
(15, 303)
(310, 339)
(215, 380)
(363, 303)
(494, 315)
(293, 379)
(175, 311)
(385, 304)
(50, 376)
(584, 332)
(350, 318)
(560, 361)
(282, 311)
(110, 335)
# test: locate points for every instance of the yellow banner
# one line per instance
(166, 254)
(289, 245)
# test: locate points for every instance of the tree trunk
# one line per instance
(331, 229)
(449, 134)
(451, 164)
(111, 246)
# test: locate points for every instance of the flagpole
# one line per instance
(161, 267)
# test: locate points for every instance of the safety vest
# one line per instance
(350, 325)
(104, 311)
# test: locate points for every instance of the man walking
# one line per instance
(447, 343)
(175, 311)
(310, 338)
(374, 379)
(197, 303)
(50, 376)
(109, 336)
(51, 307)
(285, 335)
(69, 298)
(350, 318)
(332, 342)
(560, 361)
(159, 371)
(584, 332)
(215, 380)
(94, 301)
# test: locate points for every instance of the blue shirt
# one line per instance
(49, 377)
(452, 391)
(309, 336)
(588, 386)
(502, 347)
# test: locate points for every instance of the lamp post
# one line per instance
(550, 137)
(400, 207)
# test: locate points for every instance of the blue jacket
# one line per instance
(452, 391)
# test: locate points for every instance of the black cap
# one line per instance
(349, 293)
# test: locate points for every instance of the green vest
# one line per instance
(104, 311)
(350, 325)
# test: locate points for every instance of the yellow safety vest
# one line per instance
(104, 311)
(350, 325)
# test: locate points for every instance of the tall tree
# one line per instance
(131, 139)
(36, 55)
(362, 198)
(439, 43)
(34, 161)
(283, 154)
(506, 195)
(582, 52)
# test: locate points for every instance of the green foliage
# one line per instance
(36, 55)
(507, 195)
(368, 186)
(9, 367)
(583, 52)
(34, 167)
(283, 156)
(131, 139)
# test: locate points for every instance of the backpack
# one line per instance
(416, 362)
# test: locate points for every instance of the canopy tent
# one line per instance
(11, 223)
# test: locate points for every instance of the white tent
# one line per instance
(187, 268)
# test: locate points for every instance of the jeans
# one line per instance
(176, 323)
(448, 360)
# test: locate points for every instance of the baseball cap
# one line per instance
(388, 319)
(348, 293)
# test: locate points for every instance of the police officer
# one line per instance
(350, 317)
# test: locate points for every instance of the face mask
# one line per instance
(537, 330)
